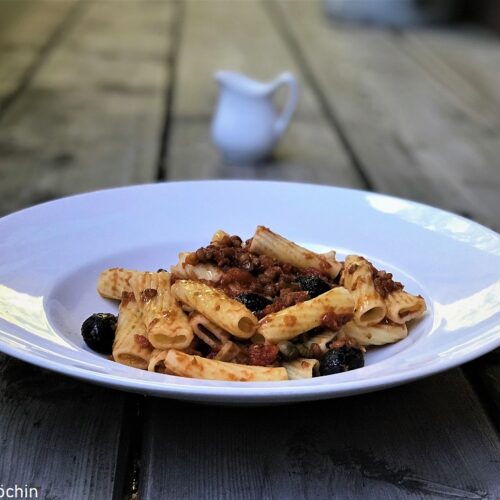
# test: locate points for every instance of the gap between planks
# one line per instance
(222, 35)
(412, 138)
(68, 21)
(176, 27)
(92, 115)
(130, 448)
(482, 383)
(294, 47)
(484, 373)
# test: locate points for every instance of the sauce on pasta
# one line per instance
(264, 309)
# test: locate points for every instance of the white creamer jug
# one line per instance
(246, 125)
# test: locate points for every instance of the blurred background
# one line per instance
(397, 96)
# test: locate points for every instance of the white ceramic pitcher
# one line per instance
(246, 125)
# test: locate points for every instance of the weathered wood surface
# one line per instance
(28, 28)
(400, 111)
(467, 65)
(240, 36)
(466, 62)
(484, 373)
(431, 97)
(417, 441)
(59, 435)
(93, 114)
(90, 116)
(249, 452)
(410, 136)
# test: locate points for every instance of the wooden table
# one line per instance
(96, 94)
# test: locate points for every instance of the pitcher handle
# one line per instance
(283, 120)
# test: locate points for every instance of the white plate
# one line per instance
(51, 256)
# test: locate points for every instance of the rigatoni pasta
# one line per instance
(403, 307)
(186, 365)
(200, 272)
(266, 242)
(301, 368)
(166, 323)
(113, 282)
(131, 346)
(264, 309)
(156, 360)
(386, 332)
(212, 335)
(357, 277)
(221, 310)
(321, 339)
(304, 316)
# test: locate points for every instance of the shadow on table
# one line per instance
(424, 438)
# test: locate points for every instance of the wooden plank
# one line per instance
(26, 28)
(301, 157)
(410, 137)
(466, 63)
(239, 36)
(386, 445)
(417, 441)
(92, 117)
(484, 373)
(58, 435)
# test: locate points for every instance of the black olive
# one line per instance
(341, 360)
(313, 285)
(253, 301)
(98, 332)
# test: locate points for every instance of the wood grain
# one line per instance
(58, 435)
(90, 117)
(409, 112)
(407, 442)
(239, 36)
(26, 29)
(93, 115)
(466, 66)
(404, 443)
(484, 373)
(466, 62)
(410, 136)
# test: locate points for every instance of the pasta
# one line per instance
(214, 336)
(185, 365)
(166, 323)
(130, 346)
(357, 277)
(203, 272)
(156, 360)
(301, 368)
(226, 313)
(219, 236)
(321, 339)
(292, 321)
(403, 307)
(113, 282)
(383, 333)
(264, 310)
(274, 245)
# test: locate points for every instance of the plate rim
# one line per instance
(232, 391)
(147, 185)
